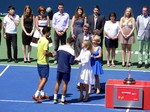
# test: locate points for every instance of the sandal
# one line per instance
(81, 99)
(113, 65)
(129, 64)
(123, 65)
(108, 65)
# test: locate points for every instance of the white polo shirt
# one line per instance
(10, 25)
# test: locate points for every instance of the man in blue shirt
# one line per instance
(65, 58)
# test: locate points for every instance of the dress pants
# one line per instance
(143, 46)
(11, 40)
(59, 38)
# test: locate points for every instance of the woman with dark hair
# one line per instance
(111, 30)
(27, 23)
(78, 20)
(40, 21)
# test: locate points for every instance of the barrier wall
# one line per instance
(106, 6)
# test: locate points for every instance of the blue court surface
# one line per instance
(19, 83)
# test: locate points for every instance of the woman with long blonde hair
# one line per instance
(126, 38)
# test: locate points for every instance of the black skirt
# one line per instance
(109, 43)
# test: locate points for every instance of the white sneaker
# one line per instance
(55, 62)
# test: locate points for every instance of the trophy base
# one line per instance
(129, 81)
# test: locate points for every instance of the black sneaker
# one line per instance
(64, 102)
(146, 66)
(15, 60)
(9, 60)
(139, 65)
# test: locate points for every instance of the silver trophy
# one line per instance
(129, 79)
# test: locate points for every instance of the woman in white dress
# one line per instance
(86, 76)
(40, 21)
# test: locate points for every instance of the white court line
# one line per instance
(127, 110)
(4, 70)
(78, 68)
(25, 101)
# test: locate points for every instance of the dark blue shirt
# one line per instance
(65, 58)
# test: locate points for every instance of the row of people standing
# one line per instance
(115, 32)
(60, 23)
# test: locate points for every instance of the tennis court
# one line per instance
(18, 84)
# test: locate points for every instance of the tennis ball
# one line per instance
(48, 9)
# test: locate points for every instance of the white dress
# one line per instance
(86, 75)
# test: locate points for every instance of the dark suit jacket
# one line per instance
(79, 43)
(99, 25)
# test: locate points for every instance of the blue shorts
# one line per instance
(63, 76)
(43, 70)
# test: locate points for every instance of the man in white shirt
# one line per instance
(11, 21)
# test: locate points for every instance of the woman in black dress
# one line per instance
(27, 22)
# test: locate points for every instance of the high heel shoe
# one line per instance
(81, 99)
(25, 61)
(86, 99)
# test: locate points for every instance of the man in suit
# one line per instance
(96, 22)
(83, 36)
(143, 29)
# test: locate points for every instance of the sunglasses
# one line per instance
(42, 10)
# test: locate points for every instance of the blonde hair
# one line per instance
(87, 44)
(131, 15)
(96, 38)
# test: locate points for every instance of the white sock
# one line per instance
(62, 98)
(42, 93)
(55, 96)
(78, 84)
(37, 93)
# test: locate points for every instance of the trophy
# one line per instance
(129, 79)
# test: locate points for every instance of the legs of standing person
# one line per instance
(97, 84)
(14, 44)
(108, 56)
(29, 53)
(81, 92)
(123, 54)
(64, 91)
(43, 71)
(140, 54)
(113, 56)
(90, 88)
(101, 44)
(147, 48)
(87, 92)
(8, 43)
(56, 43)
(63, 39)
(24, 53)
(129, 54)
(66, 78)
(56, 89)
